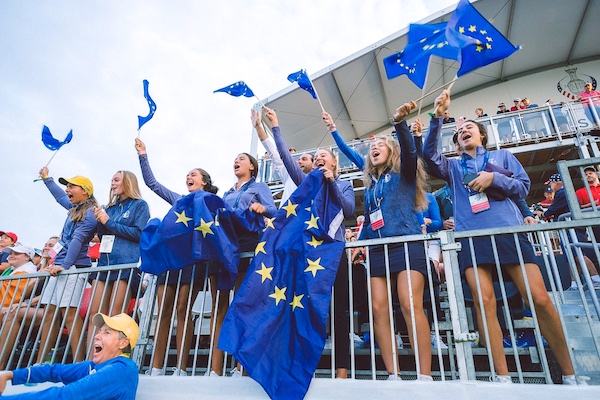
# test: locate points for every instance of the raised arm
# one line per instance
(168, 195)
(291, 166)
(437, 163)
(269, 145)
(352, 155)
(408, 150)
(59, 195)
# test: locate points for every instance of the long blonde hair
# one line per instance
(393, 164)
(131, 188)
(78, 212)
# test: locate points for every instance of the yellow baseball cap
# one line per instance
(81, 181)
(122, 323)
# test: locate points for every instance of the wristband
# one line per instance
(331, 127)
(142, 153)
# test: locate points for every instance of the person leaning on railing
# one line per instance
(483, 200)
(110, 375)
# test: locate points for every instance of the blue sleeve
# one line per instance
(419, 145)
(518, 185)
(433, 213)
(114, 381)
(524, 208)
(64, 373)
(139, 214)
(352, 155)
(265, 197)
(437, 163)
(558, 207)
(292, 166)
(408, 152)
(81, 237)
(59, 194)
(345, 193)
(168, 195)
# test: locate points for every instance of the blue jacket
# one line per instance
(395, 193)
(503, 212)
(251, 192)
(127, 220)
(75, 237)
(115, 379)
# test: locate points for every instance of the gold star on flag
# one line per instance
(312, 223)
(314, 242)
(297, 302)
(314, 266)
(488, 46)
(472, 28)
(483, 32)
(182, 218)
(478, 49)
(312, 201)
(461, 29)
(260, 248)
(489, 39)
(264, 272)
(204, 227)
(270, 223)
(290, 209)
(278, 295)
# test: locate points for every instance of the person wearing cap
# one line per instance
(7, 239)
(63, 292)
(19, 260)
(590, 98)
(558, 207)
(528, 104)
(548, 197)
(591, 176)
(109, 375)
(504, 130)
(518, 105)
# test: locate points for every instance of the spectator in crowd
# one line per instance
(528, 104)
(548, 197)
(12, 291)
(479, 112)
(591, 176)
(7, 239)
(518, 105)
(559, 207)
(502, 109)
(63, 293)
(37, 258)
(109, 375)
(190, 278)
(121, 222)
(477, 207)
(590, 98)
(448, 119)
(559, 116)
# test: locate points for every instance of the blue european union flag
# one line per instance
(151, 104)
(199, 227)
(237, 89)
(301, 77)
(275, 326)
(54, 144)
(424, 40)
(481, 44)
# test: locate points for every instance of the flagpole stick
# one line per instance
(259, 101)
(450, 84)
(138, 133)
(48, 163)
(317, 94)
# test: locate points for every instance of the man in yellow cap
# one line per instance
(109, 375)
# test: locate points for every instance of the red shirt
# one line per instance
(582, 194)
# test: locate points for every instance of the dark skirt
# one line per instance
(484, 253)
(397, 260)
(122, 275)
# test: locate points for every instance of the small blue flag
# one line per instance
(237, 89)
(275, 326)
(199, 227)
(481, 44)
(54, 144)
(301, 77)
(424, 40)
(151, 104)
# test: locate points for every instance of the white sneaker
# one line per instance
(425, 378)
(236, 373)
(573, 381)
(393, 377)
(179, 372)
(155, 372)
(435, 339)
(399, 341)
(211, 373)
(501, 379)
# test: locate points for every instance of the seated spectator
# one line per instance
(528, 104)
(593, 182)
(479, 112)
(111, 374)
(590, 98)
(7, 239)
(502, 108)
(518, 105)
(558, 207)
(19, 260)
(37, 258)
(548, 197)
(448, 119)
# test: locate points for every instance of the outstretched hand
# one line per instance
(271, 115)
(442, 103)
(44, 173)
(403, 111)
(139, 145)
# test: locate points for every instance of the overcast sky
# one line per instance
(80, 65)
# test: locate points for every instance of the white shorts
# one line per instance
(434, 251)
(64, 290)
